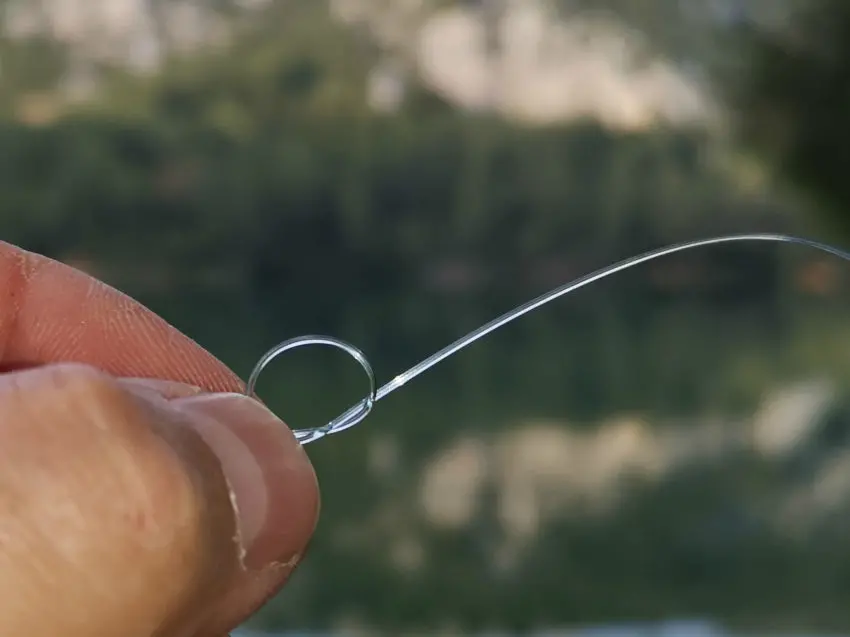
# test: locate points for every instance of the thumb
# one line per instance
(117, 516)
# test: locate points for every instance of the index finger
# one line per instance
(51, 313)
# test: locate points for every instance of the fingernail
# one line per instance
(271, 478)
(168, 389)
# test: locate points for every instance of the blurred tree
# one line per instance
(280, 62)
(31, 69)
(793, 102)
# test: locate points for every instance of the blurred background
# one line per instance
(663, 453)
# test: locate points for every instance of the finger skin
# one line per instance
(51, 313)
(114, 518)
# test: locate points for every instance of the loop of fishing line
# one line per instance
(347, 419)
(358, 412)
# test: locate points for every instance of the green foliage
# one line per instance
(793, 103)
(383, 195)
(281, 64)
(28, 66)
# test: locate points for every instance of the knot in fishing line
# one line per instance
(359, 412)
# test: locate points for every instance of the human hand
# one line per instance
(115, 492)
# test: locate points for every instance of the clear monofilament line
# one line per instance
(358, 412)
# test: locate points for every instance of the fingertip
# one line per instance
(276, 493)
(273, 481)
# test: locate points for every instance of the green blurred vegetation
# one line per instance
(249, 194)
(792, 102)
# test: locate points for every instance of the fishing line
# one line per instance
(360, 411)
